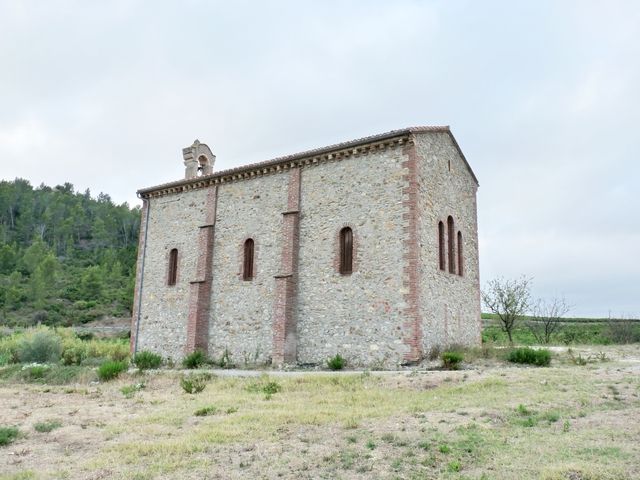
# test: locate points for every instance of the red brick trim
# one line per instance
(284, 321)
(136, 292)
(413, 321)
(200, 287)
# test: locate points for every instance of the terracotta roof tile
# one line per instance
(315, 152)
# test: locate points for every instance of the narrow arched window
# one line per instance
(247, 266)
(460, 262)
(172, 275)
(346, 251)
(451, 238)
(441, 257)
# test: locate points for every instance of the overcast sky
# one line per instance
(543, 97)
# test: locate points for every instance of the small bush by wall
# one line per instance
(452, 360)
(336, 363)
(147, 360)
(194, 360)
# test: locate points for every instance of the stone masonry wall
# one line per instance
(173, 223)
(359, 316)
(450, 304)
(242, 311)
(396, 305)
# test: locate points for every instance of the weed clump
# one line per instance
(130, 390)
(146, 360)
(194, 383)
(110, 370)
(46, 427)
(204, 411)
(336, 363)
(225, 359)
(530, 356)
(577, 360)
(34, 371)
(7, 435)
(444, 448)
(451, 360)
(194, 360)
(266, 386)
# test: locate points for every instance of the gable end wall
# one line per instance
(449, 303)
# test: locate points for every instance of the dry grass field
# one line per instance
(490, 420)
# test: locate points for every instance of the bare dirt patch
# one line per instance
(499, 421)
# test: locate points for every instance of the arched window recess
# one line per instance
(346, 251)
(247, 263)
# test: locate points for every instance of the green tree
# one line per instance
(8, 258)
(58, 246)
(508, 299)
(33, 255)
(91, 283)
(15, 294)
(42, 281)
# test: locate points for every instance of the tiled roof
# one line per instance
(312, 153)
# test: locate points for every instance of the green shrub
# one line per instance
(194, 383)
(34, 371)
(9, 348)
(49, 374)
(451, 360)
(336, 363)
(46, 427)
(271, 387)
(147, 360)
(444, 448)
(110, 370)
(85, 335)
(622, 332)
(194, 360)
(204, 411)
(551, 417)
(41, 346)
(73, 354)
(4, 359)
(540, 358)
(76, 351)
(7, 435)
(116, 350)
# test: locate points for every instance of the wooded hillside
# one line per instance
(65, 257)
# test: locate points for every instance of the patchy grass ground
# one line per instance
(488, 421)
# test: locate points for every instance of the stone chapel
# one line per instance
(366, 248)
